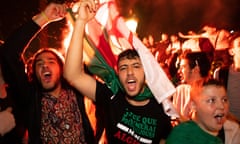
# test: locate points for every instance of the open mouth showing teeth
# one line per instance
(219, 118)
(47, 75)
(131, 81)
(131, 84)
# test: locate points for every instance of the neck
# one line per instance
(55, 92)
(214, 133)
(137, 103)
(195, 80)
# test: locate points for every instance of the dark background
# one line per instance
(154, 16)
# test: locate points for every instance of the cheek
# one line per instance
(203, 115)
(37, 72)
(204, 109)
(55, 69)
(188, 73)
(121, 76)
(226, 107)
(141, 75)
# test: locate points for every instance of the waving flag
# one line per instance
(106, 36)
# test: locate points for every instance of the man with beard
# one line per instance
(132, 115)
(55, 111)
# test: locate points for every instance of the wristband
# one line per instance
(45, 16)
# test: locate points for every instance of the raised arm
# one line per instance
(73, 69)
(21, 37)
(13, 69)
(53, 12)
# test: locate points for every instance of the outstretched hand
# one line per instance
(7, 121)
(55, 12)
(87, 10)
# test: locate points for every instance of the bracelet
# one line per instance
(45, 16)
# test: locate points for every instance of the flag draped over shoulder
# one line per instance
(106, 36)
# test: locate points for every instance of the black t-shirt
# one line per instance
(131, 124)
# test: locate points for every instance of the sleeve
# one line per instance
(13, 67)
(181, 101)
(103, 95)
(12, 64)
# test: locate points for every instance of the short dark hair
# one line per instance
(213, 81)
(206, 82)
(198, 59)
(128, 54)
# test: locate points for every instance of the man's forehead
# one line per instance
(126, 61)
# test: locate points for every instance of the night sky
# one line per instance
(155, 16)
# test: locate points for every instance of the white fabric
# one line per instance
(158, 82)
(181, 101)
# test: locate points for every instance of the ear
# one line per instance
(231, 51)
(196, 69)
(193, 106)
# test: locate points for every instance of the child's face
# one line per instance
(211, 106)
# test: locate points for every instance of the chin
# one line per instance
(48, 88)
(131, 95)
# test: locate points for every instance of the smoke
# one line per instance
(172, 16)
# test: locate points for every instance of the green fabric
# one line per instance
(146, 94)
(99, 67)
(190, 133)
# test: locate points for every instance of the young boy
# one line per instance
(209, 102)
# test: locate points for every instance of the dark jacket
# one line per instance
(16, 135)
(13, 70)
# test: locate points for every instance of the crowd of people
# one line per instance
(43, 100)
(221, 47)
(210, 39)
(196, 58)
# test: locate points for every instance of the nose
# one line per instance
(45, 65)
(130, 71)
(221, 104)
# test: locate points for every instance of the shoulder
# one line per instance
(182, 91)
(103, 93)
(102, 88)
(184, 125)
(180, 133)
(183, 87)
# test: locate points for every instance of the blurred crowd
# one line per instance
(216, 42)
